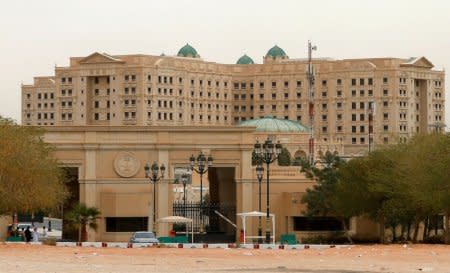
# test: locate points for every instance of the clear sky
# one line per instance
(36, 35)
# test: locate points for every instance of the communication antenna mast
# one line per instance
(310, 77)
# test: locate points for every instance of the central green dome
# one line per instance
(271, 124)
(245, 60)
(276, 51)
(188, 51)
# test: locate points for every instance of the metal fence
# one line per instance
(211, 221)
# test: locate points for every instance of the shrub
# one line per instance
(49, 242)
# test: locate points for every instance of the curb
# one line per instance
(178, 245)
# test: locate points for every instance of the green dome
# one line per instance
(188, 51)
(271, 124)
(245, 60)
(276, 51)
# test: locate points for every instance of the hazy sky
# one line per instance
(36, 35)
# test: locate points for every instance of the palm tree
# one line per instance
(82, 216)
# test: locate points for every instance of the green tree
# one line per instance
(320, 199)
(81, 217)
(284, 159)
(30, 179)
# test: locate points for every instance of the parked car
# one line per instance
(144, 237)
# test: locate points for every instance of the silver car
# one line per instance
(144, 237)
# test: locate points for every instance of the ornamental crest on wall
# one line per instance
(126, 164)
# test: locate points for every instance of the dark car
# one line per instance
(144, 237)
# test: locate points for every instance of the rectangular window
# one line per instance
(339, 82)
(353, 82)
(302, 223)
(361, 81)
(370, 80)
(126, 224)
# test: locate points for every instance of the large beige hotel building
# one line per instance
(109, 114)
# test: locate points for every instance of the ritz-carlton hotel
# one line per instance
(108, 115)
(101, 89)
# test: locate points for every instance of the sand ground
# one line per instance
(367, 258)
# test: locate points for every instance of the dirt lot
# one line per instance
(371, 258)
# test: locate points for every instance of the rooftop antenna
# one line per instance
(310, 76)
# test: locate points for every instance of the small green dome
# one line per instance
(271, 124)
(188, 51)
(245, 60)
(276, 51)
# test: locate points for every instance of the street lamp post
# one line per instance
(259, 175)
(184, 178)
(202, 167)
(268, 154)
(152, 174)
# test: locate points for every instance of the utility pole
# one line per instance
(370, 113)
(310, 77)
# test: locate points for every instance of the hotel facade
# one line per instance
(108, 115)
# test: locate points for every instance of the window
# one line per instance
(339, 116)
(299, 95)
(324, 94)
(96, 104)
(353, 93)
(370, 81)
(96, 116)
(353, 129)
(261, 84)
(286, 84)
(353, 105)
(370, 93)
(385, 103)
(339, 82)
(386, 128)
(274, 95)
(274, 84)
(324, 117)
(361, 93)
(324, 129)
(286, 95)
(361, 129)
(299, 106)
(128, 77)
(339, 128)
(353, 117)
(126, 224)
(353, 140)
(385, 80)
(286, 107)
(339, 93)
(339, 105)
(274, 107)
(353, 82)
(362, 140)
(361, 105)
(385, 116)
(324, 82)
(261, 107)
(361, 81)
